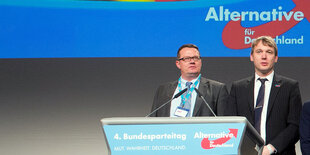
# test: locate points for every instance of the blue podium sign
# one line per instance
(174, 138)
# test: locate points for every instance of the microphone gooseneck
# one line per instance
(200, 95)
(174, 97)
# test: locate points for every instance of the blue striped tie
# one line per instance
(188, 98)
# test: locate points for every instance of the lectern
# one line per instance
(190, 136)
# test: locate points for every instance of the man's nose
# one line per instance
(192, 60)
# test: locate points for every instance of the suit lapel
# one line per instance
(171, 89)
(275, 87)
(170, 93)
(249, 106)
(250, 89)
(204, 88)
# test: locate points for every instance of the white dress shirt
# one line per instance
(176, 102)
(257, 85)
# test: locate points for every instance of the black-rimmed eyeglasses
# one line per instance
(188, 59)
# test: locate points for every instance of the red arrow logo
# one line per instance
(232, 34)
(207, 144)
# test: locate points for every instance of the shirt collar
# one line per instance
(269, 77)
(183, 82)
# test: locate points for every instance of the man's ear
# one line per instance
(177, 63)
(276, 59)
(251, 57)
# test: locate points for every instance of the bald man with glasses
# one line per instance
(189, 104)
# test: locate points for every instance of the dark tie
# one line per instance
(259, 104)
(188, 98)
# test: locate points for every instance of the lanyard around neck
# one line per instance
(189, 92)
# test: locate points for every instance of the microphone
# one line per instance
(200, 95)
(179, 94)
(175, 96)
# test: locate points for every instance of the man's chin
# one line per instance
(266, 71)
(193, 74)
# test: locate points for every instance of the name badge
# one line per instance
(181, 112)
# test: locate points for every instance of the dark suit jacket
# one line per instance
(214, 92)
(283, 111)
(305, 129)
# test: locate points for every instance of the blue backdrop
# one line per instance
(67, 28)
